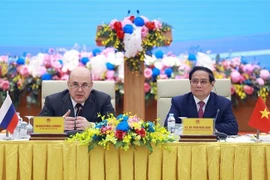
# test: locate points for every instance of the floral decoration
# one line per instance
(22, 75)
(123, 132)
(248, 79)
(15, 78)
(135, 36)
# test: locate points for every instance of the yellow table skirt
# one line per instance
(55, 160)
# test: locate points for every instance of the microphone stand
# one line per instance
(79, 110)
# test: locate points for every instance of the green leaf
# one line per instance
(91, 146)
(118, 144)
(134, 146)
(148, 145)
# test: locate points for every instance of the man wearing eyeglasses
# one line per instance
(79, 104)
(203, 103)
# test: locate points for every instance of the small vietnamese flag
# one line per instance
(260, 116)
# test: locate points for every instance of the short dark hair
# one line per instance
(202, 68)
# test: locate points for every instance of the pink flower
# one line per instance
(144, 31)
(260, 81)
(236, 61)
(248, 68)
(42, 70)
(226, 64)
(148, 73)
(147, 87)
(47, 62)
(125, 22)
(104, 129)
(4, 85)
(107, 51)
(110, 75)
(264, 74)
(56, 65)
(249, 90)
(158, 24)
(95, 77)
(178, 77)
(3, 58)
(55, 77)
(163, 76)
(133, 119)
(235, 76)
(23, 70)
(242, 79)
(56, 57)
(65, 77)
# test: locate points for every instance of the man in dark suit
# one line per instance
(203, 103)
(79, 104)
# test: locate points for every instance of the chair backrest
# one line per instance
(53, 86)
(166, 89)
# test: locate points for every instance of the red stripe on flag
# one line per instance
(13, 123)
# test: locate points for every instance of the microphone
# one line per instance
(79, 108)
(220, 135)
(78, 111)
(216, 118)
(217, 115)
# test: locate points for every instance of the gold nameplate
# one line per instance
(198, 126)
(48, 125)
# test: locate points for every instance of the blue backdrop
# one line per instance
(217, 25)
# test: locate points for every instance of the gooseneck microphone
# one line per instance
(79, 109)
(220, 135)
(217, 115)
(216, 118)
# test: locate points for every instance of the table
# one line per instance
(65, 160)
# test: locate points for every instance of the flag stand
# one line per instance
(258, 136)
(9, 120)
(8, 137)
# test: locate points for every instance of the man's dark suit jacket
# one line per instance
(185, 106)
(58, 104)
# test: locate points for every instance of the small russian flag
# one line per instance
(8, 115)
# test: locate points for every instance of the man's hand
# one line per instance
(82, 123)
(68, 121)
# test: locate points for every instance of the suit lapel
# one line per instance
(211, 107)
(192, 108)
(67, 104)
(89, 108)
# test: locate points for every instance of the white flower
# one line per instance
(70, 60)
(170, 61)
(35, 63)
(205, 60)
(133, 43)
(98, 66)
(121, 72)
(158, 65)
(115, 58)
(149, 60)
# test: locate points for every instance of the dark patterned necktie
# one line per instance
(79, 108)
(200, 112)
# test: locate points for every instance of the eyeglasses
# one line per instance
(197, 81)
(75, 85)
